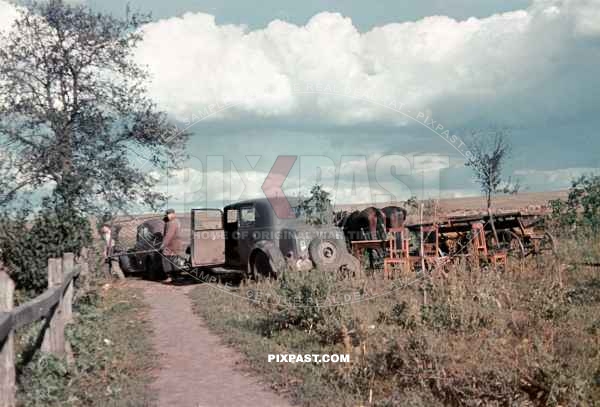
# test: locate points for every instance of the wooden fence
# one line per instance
(54, 306)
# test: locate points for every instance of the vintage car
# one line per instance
(145, 257)
(249, 236)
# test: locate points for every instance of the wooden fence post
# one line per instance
(54, 337)
(7, 348)
(68, 263)
(84, 269)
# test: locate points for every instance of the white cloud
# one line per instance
(351, 180)
(554, 179)
(511, 68)
(8, 13)
(512, 65)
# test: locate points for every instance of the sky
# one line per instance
(375, 99)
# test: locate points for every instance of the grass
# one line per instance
(526, 336)
(112, 365)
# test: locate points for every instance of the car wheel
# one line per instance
(261, 267)
(325, 254)
(153, 270)
(125, 263)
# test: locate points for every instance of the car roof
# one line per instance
(262, 202)
(265, 214)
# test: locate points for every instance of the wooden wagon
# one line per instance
(431, 244)
(521, 234)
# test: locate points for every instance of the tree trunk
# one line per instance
(491, 215)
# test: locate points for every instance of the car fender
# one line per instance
(272, 252)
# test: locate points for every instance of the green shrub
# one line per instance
(27, 242)
(46, 379)
(582, 207)
(303, 299)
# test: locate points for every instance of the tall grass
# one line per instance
(527, 335)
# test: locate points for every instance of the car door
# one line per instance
(247, 232)
(208, 238)
(232, 237)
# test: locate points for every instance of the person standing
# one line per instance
(111, 263)
(171, 245)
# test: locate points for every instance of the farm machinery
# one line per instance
(426, 245)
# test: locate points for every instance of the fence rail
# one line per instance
(54, 306)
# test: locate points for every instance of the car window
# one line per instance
(145, 234)
(247, 216)
(232, 216)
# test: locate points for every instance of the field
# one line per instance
(532, 202)
(527, 336)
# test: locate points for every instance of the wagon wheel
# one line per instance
(547, 244)
(509, 241)
(459, 245)
(350, 267)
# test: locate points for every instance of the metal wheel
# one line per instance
(547, 244)
(509, 241)
(261, 267)
(350, 267)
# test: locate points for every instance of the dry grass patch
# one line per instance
(526, 336)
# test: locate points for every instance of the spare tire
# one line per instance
(326, 254)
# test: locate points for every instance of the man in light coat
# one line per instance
(171, 245)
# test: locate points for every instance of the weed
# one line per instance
(524, 336)
(109, 339)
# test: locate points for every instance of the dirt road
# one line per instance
(196, 369)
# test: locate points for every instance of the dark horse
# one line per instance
(395, 216)
(368, 224)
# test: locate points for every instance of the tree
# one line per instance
(582, 206)
(317, 209)
(74, 110)
(486, 156)
(511, 187)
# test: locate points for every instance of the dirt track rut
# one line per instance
(196, 369)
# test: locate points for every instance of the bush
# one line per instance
(582, 207)
(26, 244)
(302, 300)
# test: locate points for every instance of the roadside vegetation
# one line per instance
(491, 338)
(529, 335)
(112, 355)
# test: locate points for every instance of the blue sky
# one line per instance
(360, 89)
(364, 14)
